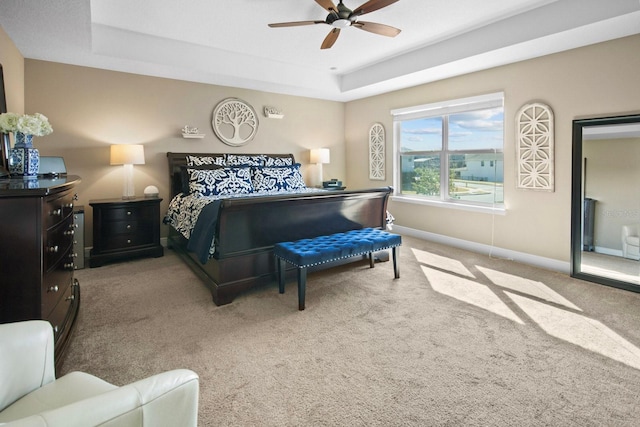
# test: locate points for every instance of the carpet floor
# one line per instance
(460, 339)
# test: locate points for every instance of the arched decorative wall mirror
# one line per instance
(605, 203)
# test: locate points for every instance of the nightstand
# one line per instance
(124, 229)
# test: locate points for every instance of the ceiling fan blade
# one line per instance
(330, 39)
(372, 27)
(327, 5)
(370, 6)
(295, 23)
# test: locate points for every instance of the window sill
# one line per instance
(497, 209)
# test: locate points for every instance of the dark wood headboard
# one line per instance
(176, 160)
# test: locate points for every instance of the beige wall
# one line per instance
(611, 177)
(587, 82)
(90, 109)
(13, 71)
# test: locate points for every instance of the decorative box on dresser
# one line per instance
(124, 229)
(36, 254)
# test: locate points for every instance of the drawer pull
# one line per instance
(69, 232)
(68, 265)
(128, 212)
(128, 226)
(53, 289)
(70, 298)
(56, 212)
(128, 240)
(52, 249)
(68, 205)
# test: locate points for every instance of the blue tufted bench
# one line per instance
(319, 250)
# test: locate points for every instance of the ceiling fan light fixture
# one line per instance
(341, 16)
(341, 23)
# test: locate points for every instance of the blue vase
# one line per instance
(24, 160)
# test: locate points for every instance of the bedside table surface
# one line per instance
(121, 201)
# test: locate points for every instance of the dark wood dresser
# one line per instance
(36, 254)
(124, 229)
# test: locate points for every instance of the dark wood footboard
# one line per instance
(247, 229)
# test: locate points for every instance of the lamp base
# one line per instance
(128, 192)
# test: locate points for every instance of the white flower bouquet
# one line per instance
(36, 124)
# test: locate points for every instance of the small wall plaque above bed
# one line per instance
(234, 122)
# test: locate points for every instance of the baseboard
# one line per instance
(525, 258)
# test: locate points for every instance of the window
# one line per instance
(442, 151)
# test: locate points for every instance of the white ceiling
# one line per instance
(228, 42)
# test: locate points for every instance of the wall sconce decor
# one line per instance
(127, 155)
(234, 122)
(376, 152)
(319, 156)
(535, 147)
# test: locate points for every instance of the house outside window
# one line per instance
(441, 151)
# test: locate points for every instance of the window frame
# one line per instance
(444, 109)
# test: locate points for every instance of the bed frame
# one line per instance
(248, 228)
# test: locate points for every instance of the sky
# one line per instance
(482, 129)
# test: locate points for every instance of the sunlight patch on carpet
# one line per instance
(442, 263)
(579, 330)
(526, 286)
(470, 292)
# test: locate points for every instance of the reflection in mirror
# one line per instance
(605, 212)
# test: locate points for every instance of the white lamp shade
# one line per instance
(320, 155)
(127, 154)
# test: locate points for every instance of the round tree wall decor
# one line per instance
(376, 152)
(234, 122)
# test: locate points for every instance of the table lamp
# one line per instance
(319, 156)
(127, 155)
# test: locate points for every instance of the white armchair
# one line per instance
(631, 241)
(30, 395)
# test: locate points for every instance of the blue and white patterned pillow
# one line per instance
(245, 160)
(205, 160)
(280, 178)
(223, 181)
(278, 161)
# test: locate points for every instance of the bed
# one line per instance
(229, 240)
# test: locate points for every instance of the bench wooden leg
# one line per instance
(281, 274)
(371, 265)
(396, 268)
(302, 286)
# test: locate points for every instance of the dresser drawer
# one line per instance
(55, 284)
(59, 317)
(59, 242)
(57, 208)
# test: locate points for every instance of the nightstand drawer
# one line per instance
(128, 213)
(124, 227)
(126, 241)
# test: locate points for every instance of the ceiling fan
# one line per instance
(342, 17)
